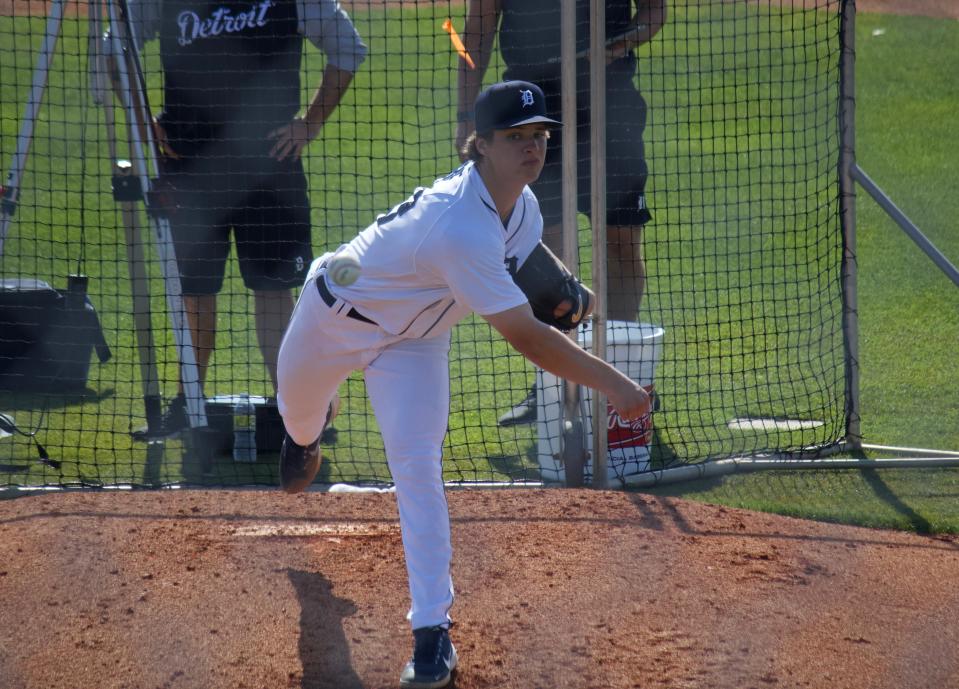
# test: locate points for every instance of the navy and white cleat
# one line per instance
(433, 662)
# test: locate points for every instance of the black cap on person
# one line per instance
(511, 104)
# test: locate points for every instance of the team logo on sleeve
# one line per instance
(527, 97)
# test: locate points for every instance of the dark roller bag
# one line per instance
(47, 336)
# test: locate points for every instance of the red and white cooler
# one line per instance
(633, 348)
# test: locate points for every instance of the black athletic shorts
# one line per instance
(626, 170)
(265, 206)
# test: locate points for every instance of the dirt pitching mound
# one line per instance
(554, 588)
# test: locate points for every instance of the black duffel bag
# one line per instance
(47, 336)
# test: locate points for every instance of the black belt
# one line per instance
(330, 299)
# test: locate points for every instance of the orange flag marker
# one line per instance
(457, 43)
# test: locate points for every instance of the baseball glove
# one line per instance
(548, 284)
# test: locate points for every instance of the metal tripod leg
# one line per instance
(11, 189)
(125, 187)
(142, 317)
(133, 89)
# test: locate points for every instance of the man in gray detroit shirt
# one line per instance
(230, 141)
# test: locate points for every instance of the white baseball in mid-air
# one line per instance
(344, 269)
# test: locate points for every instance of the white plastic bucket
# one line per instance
(634, 349)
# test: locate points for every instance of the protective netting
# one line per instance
(742, 247)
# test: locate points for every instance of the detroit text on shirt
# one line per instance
(220, 20)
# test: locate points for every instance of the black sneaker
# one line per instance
(173, 421)
(299, 464)
(524, 412)
(433, 662)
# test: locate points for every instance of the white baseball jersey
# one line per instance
(439, 255)
(425, 265)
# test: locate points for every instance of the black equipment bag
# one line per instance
(47, 336)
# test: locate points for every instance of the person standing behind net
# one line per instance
(529, 40)
(231, 142)
(469, 243)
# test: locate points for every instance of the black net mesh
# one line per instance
(740, 316)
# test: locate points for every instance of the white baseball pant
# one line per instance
(408, 385)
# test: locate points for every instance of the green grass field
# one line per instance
(909, 310)
(750, 307)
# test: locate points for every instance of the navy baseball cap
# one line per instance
(511, 104)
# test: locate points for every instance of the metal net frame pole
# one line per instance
(572, 412)
(597, 133)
